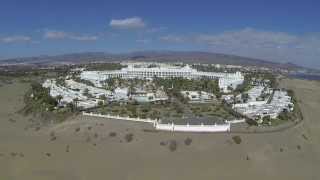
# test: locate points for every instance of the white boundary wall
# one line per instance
(193, 128)
(173, 127)
(236, 121)
(120, 117)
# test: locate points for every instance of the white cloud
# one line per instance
(55, 35)
(143, 41)
(173, 38)
(15, 39)
(274, 46)
(84, 38)
(64, 35)
(269, 45)
(156, 29)
(128, 23)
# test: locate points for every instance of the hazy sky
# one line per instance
(277, 30)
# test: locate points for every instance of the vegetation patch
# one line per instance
(128, 137)
(38, 102)
(77, 129)
(12, 120)
(298, 147)
(112, 134)
(53, 138)
(150, 130)
(237, 139)
(305, 137)
(163, 143)
(95, 135)
(173, 145)
(188, 141)
(68, 148)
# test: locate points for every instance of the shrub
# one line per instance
(95, 135)
(188, 141)
(163, 143)
(113, 134)
(53, 138)
(77, 129)
(237, 139)
(173, 145)
(305, 137)
(298, 147)
(129, 137)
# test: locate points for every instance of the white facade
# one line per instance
(131, 72)
(69, 95)
(270, 107)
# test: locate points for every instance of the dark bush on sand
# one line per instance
(129, 137)
(188, 141)
(113, 134)
(163, 143)
(237, 139)
(173, 145)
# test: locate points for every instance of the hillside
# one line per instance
(159, 56)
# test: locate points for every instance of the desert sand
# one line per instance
(82, 148)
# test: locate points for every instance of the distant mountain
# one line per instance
(158, 56)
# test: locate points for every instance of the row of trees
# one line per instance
(179, 84)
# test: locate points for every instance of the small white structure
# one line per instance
(121, 94)
(198, 96)
(150, 96)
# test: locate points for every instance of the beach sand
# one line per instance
(84, 149)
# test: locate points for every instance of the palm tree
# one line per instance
(75, 102)
(59, 97)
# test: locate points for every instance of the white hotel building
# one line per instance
(225, 79)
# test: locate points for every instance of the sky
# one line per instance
(275, 30)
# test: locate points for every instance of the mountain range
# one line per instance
(158, 56)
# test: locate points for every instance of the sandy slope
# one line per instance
(210, 156)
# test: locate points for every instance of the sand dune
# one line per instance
(92, 153)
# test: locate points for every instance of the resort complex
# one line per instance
(170, 93)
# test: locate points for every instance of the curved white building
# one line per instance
(225, 79)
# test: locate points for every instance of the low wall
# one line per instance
(193, 128)
(172, 127)
(120, 117)
(236, 121)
